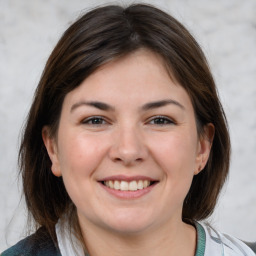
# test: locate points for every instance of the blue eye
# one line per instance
(161, 120)
(94, 120)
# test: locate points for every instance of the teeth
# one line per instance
(127, 186)
(146, 183)
(116, 184)
(124, 186)
(141, 184)
(133, 186)
(111, 184)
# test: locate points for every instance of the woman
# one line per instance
(126, 146)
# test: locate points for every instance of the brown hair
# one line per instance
(102, 35)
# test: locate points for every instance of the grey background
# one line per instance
(226, 30)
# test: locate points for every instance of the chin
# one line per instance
(128, 224)
(127, 230)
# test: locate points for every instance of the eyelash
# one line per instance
(156, 120)
(161, 120)
(90, 120)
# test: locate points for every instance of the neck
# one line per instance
(175, 239)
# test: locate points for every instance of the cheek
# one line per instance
(79, 157)
(80, 154)
(178, 148)
(176, 155)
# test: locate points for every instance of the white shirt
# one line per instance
(213, 243)
(218, 244)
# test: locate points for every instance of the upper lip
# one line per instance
(127, 178)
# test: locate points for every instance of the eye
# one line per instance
(161, 120)
(94, 120)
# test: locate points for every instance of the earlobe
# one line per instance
(51, 148)
(198, 170)
(204, 147)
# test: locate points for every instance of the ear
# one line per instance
(51, 147)
(204, 147)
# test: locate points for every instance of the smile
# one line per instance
(122, 185)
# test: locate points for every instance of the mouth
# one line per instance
(123, 185)
(128, 188)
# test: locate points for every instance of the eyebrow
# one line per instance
(96, 104)
(161, 103)
(107, 107)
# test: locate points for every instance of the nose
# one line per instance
(128, 146)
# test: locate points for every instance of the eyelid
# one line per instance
(90, 118)
(104, 121)
(171, 121)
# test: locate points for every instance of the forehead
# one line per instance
(139, 76)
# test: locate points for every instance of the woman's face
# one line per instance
(127, 146)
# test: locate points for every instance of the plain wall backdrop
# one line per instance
(226, 30)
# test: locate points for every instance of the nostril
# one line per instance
(127, 154)
(128, 160)
(117, 159)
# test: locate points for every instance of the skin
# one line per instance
(130, 139)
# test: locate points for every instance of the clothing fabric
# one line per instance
(67, 242)
(209, 243)
(38, 244)
(218, 244)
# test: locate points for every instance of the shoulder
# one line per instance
(227, 245)
(38, 244)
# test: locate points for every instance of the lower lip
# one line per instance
(128, 194)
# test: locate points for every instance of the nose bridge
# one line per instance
(128, 146)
